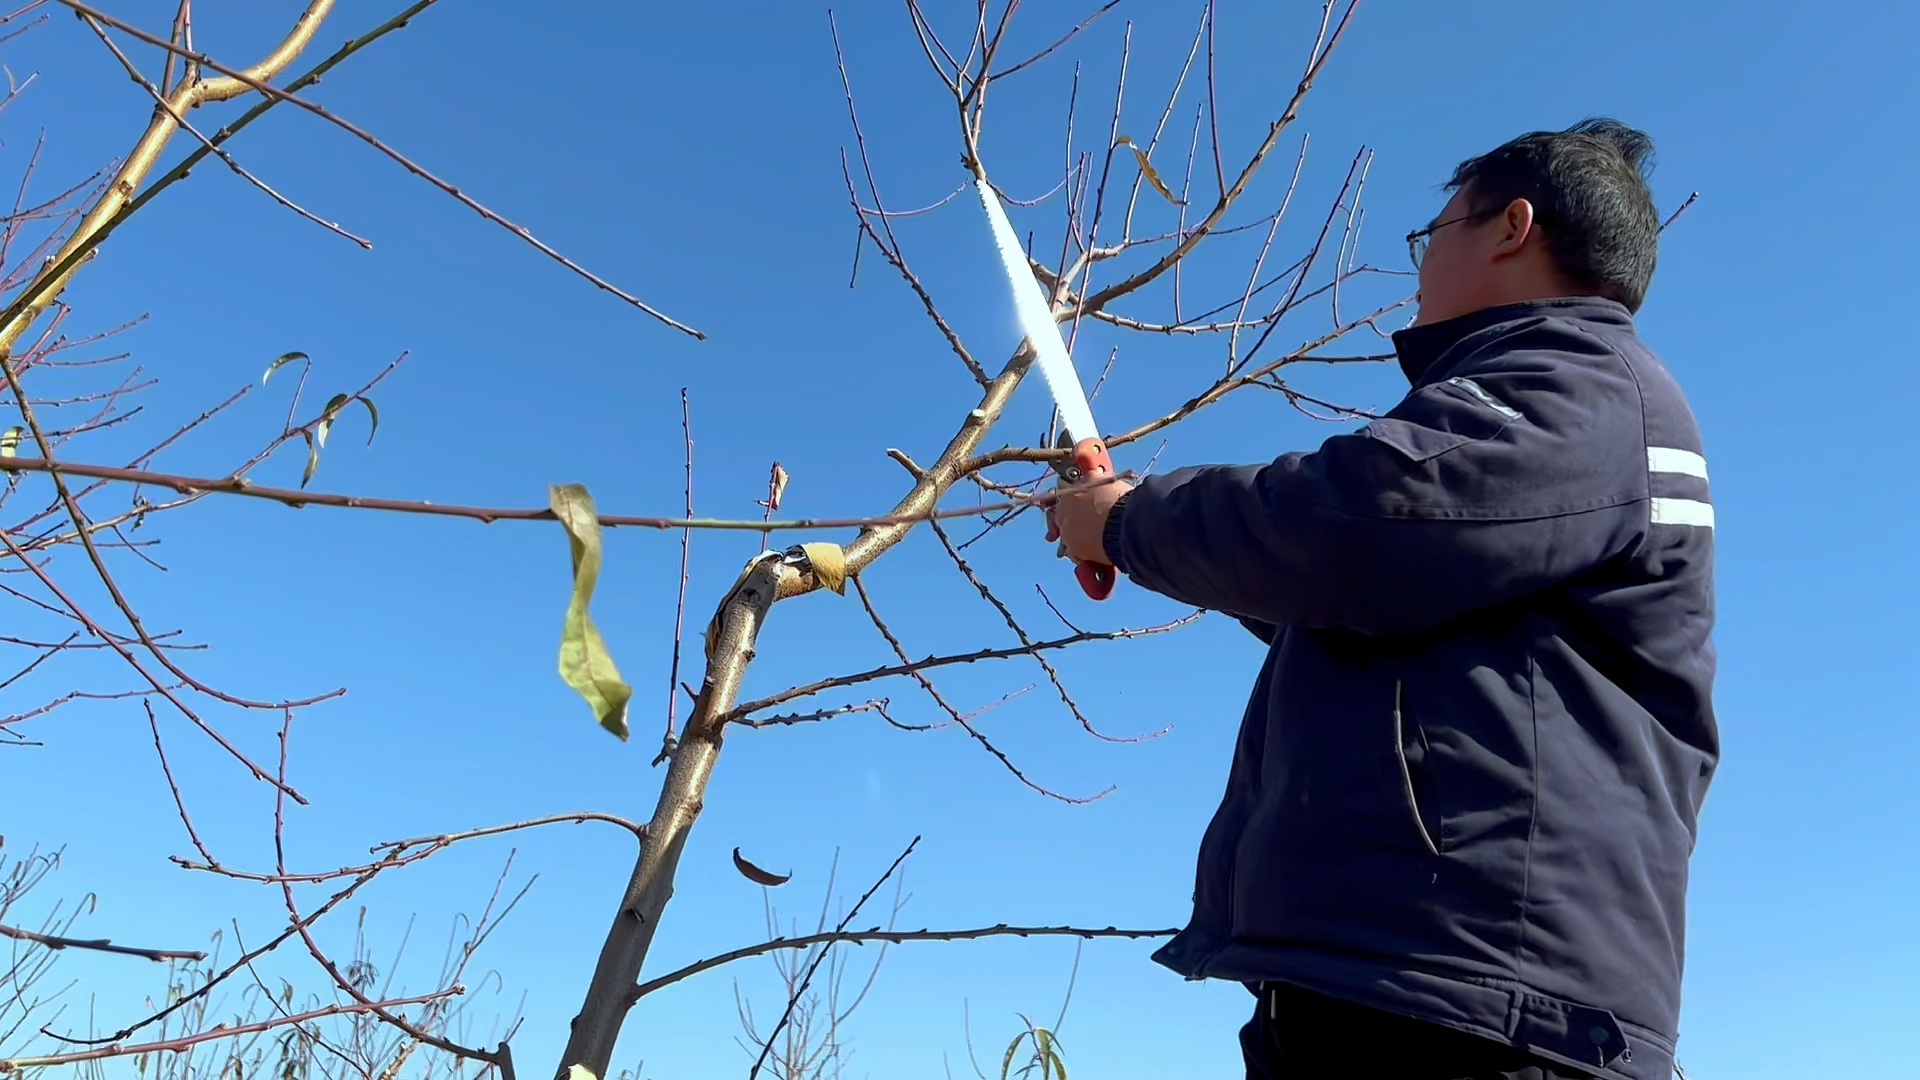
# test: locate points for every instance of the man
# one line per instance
(1455, 835)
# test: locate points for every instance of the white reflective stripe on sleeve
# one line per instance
(1666, 459)
(1486, 398)
(1682, 512)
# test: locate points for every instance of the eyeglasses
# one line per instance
(1417, 239)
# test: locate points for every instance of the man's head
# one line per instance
(1551, 213)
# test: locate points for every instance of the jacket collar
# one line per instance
(1420, 346)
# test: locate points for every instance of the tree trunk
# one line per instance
(611, 993)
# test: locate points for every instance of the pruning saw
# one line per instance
(1090, 458)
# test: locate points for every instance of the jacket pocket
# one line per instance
(1471, 415)
(1407, 765)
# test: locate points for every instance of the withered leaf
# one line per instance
(1147, 170)
(755, 874)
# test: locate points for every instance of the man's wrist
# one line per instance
(1110, 533)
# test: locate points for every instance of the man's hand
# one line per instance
(1078, 517)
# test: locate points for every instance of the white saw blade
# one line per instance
(1037, 322)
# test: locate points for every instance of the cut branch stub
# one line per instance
(585, 663)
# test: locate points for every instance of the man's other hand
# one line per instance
(1078, 517)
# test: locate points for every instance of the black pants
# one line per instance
(1296, 1034)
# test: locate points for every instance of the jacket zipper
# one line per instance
(1406, 771)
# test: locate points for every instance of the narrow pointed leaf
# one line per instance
(283, 358)
(1006, 1062)
(313, 458)
(1147, 170)
(373, 416)
(585, 663)
(327, 416)
(755, 874)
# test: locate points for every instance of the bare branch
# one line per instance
(911, 667)
(1691, 199)
(686, 552)
(127, 654)
(890, 245)
(239, 81)
(221, 1031)
(56, 942)
(794, 997)
(877, 705)
(1053, 676)
(235, 485)
(892, 937)
(958, 718)
(1232, 194)
(180, 118)
(1064, 38)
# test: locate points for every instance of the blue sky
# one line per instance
(691, 154)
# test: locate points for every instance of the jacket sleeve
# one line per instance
(1526, 468)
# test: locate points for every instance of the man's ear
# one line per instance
(1516, 226)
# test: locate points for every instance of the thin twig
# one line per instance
(1064, 38)
(906, 667)
(916, 671)
(793, 998)
(686, 551)
(1691, 199)
(402, 160)
(56, 942)
(1006, 614)
(236, 485)
(892, 937)
(890, 246)
(222, 1031)
(180, 118)
(1232, 193)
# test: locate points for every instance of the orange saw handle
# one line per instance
(1090, 459)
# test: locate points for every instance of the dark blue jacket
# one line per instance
(1466, 786)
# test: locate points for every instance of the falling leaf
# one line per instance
(313, 458)
(755, 874)
(585, 663)
(1147, 170)
(829, 563)
(283, 358)
(326, 416)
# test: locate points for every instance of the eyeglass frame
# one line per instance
(1416, 240)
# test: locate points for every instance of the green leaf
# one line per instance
(283, 358)
(10, 441)
(327, 414)
(585, 663)
(313, 458)
(373, 416)
(1147, 170)
(1050, 1056)
(580, 1072)
(1006, 1062)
